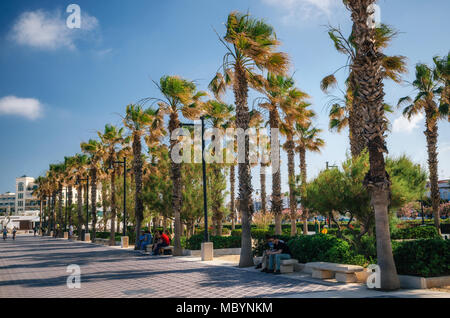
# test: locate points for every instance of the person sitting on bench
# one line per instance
(147, 240)
(163, 242)
(280, 252)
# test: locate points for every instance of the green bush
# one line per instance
(195, 241)
(418, 232)
(320, 248)
(427, 258)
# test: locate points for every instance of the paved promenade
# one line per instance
(36, 267)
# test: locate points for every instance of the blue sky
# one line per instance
(59, 86)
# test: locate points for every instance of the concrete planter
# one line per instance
(416, 282)
(217, 252)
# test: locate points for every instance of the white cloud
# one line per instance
(304, 9)
(48, 30)
(402, 124)
(27, 107)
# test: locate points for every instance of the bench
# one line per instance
(287, 265)
(342, 272)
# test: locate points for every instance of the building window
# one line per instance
(20, 195)
(20, 186)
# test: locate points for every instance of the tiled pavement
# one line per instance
(36, 267)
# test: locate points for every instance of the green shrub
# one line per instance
(418, 232)
(320, 248)
(195, 241)
(427, 258)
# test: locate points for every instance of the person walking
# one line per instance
(35, 230)
(14, 233)
(70, 231)
(5, 233)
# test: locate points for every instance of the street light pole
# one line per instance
(329, 219)
(124, 163)
(205, 196)
(65, 216)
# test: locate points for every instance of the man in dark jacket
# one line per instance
(280, 252)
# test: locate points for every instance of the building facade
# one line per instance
(26, 202)
(7, 203)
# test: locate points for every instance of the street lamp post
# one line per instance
(328, 167)
(124, 163)
(205, 197)
(87, 200)
(65, 216)
(421, 207)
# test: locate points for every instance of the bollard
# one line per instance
(207, 251)
(124, 242)
(87, 237)
(66, 235)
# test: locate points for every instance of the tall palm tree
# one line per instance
(250, 44)
(306, 139)
(296, 111)
(368, 75)
(346, 111)
(429, 88)
(275, 89)
(70, 180)
(94, 149)
(179, 95)
(112, 138)
(41, 193)
(137, 120)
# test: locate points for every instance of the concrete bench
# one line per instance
(342, 272)
(287, 265)
(165, 249)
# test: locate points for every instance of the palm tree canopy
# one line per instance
(428, 87)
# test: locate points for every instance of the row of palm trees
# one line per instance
(252, 61)
(250, 45)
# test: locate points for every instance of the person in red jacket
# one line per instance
(162, 242)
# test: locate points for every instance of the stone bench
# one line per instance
(287, 265)
(342, 272)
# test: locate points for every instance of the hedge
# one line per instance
(195, 241)
(426, 258)
(418, 232)
(320, 248)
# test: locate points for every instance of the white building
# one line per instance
(26, 203)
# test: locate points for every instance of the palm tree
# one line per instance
(137, 120)
(94, 149)
(250, 44)
(179, 95)
(429, 88)
(345, 111)
(112, 138)
(306, 139)
(70, 181)
(367, 70)
(295, 112)
(276, 89)
(41, 192)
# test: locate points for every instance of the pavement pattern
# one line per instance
(37, 267)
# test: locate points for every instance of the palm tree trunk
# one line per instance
(112, 240)
(368, 77)
(262, 178)
(291, 177)
(274, 121)
(245, 179)
(355, 117)
(302, 155)
(94, 201)
(138, 202)
(232, 196)
(174, 123)
(431, 133)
